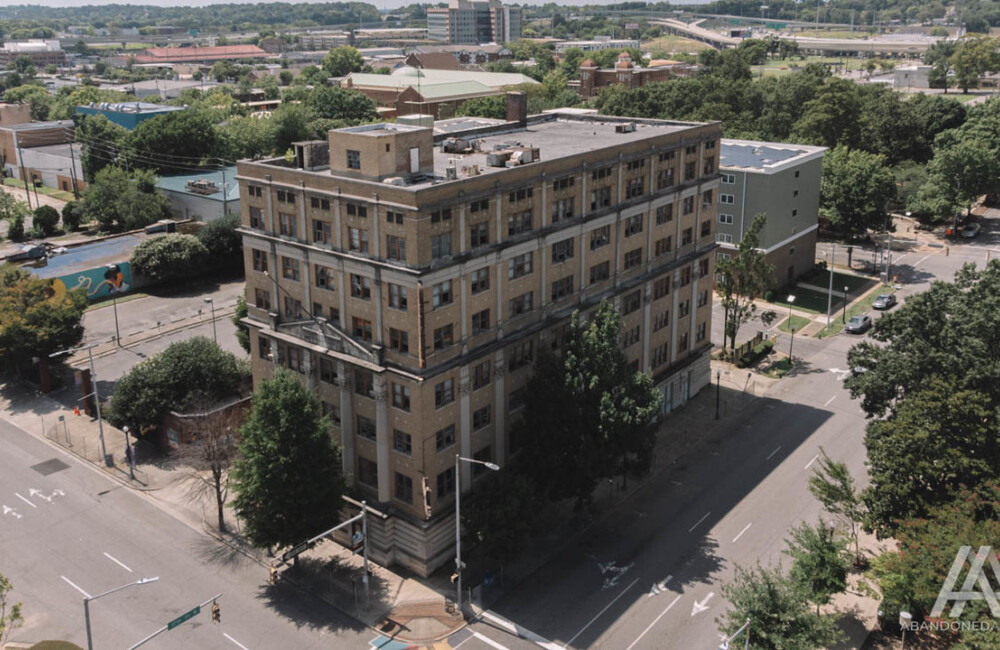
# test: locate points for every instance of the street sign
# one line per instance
(287, 555)
(184, 617)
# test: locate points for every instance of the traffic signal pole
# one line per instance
(182, 618)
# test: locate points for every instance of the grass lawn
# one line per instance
(672, 43)
(798, 322)
(863, 306)
(779, 368)
(47, 191)
(806, 300)
(821, 278)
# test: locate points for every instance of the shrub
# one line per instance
(169, 257)
(224, 243)
(71, 214)
(46, 219)
(15, 228)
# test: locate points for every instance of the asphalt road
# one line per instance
(72, 531)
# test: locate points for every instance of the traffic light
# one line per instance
(272, 577)
(454, 577)
(216, 613)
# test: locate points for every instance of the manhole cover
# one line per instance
(50, 467)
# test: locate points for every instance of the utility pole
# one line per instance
(97, 398)
(24, 175)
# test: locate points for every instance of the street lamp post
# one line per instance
(718, 390)
(215, 334)
(846, 289)
(129, 454)
(745, 628)
(829, 293)
(87, 599)
(113, 290)
(458, 519)
(791, 342)
(97, 397)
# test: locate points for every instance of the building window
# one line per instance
(366, 428)
(367, 472)
(706, 198)
(445, 437)
(682, 342)
(659, 356)
(255, 190)
(630, 337)
(684, 309)
(327, 371)
(516, 399)
(401, 396)
(709, 166)
(562, 209)
(600, 272)
(319, 204)
(479, 235)
(358, 239)
(562, 288)
(332, 412)
(633, 225)
(724, 237)
(286, 197)
(795, 213)
(634, 187)
(321, 232)
(481, 418)
(661, 288)
(397, 296)
(633, 259)
(441, 245)
(667, 155)
(664, 214)
(264, 348)
(395, 248)
(689, 171)
(324, 277)
(394, 217)
(521, 194)
(481, 375)
(520, 305)
(446, 483)
(729, 179)
(399, 340)
(441, 294)
(480, 322)
(665, 178)
(703, 268)
(725, 218)
(363, 382)
(259, 260)
(362, 329)
(402, 442)
(564, 183)
(441, 215)
(262, 299)
(796, 173)
(662, 246)
(521, 355)
(706, 228)
(361, 287)
(480, 280)
(727, 199)
(688, 205)
(293, 308)
(444, 337)
(353, 159)
(444, 394)
(519, 222)
(256, 218)
(404, 488)
(687, 236)
(703, 298)
(661, 320)
(685, 276)
(520, 266)
(700, 332)
(479, 206)
(562, 251)
(600, 198)
(286, 224)
(290, 268)
(691, 150)
(600, 237)
(357, 210)
(631, 302)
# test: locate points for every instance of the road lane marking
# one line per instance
(655, 621)
(830, 400)
(769, 456)
(70, 583)
(921, 260)
(118, 563)
(488, 641)
(235, 641)
(698, 608)
(600, 613)
(745, 529)
(463, 642)
(809, 464)
(501, 622)
(26, 501)
(659, 587)
(697, 523)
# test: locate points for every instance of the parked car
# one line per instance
(885, 301)
(971, 230)
(858, 324)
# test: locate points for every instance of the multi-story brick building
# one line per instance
(412, 279)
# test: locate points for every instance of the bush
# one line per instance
(755, 354)
(71, 215)
(47, 219)
(15, 228)
(224, 244)
(169, 257)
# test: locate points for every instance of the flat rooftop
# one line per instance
(764, 156)
(131, 107)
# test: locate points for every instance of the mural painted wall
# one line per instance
(98, 282)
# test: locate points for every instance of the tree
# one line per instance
(290, 123)
(938, 56)
(213, 454)
(189, 136)
(71, 215)
(118, 202)
(10, 612)
(47, 218)
(494, 107)
(194, 372)
(169, 257)
(247, 137)
(855, 191)
(334, 102)
(959, 173)
(780, 618)
(343, 60)
(500, 514)
(975, 55)
(743, 277)
(35, 319)
(288, 478)
(242, 329)
(285, 77)
(11, 208)
(223, 241)
(101, 142)
(819, 569)
(833, 486)
(833, 117)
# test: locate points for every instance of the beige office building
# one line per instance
(412, 275)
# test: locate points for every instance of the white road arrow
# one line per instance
(698, 608)
(7, 510)
(38, 493)
(659, 587)
(616, 573)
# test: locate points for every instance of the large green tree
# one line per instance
(169, 257)
(343, 60)
(833, 486)
(334, 102)
(174, 141)
(500, 514)
(975, 55)
(743, 277)
(855, 191)
(120, 202)
(960, 172)
(818, 565)
(101, 143)
(288, 479)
